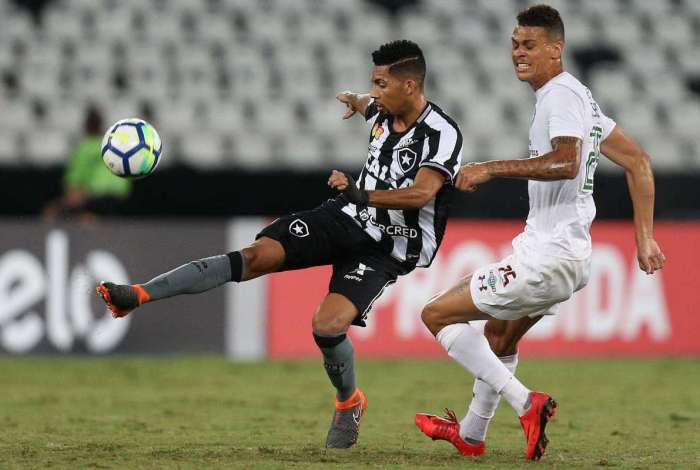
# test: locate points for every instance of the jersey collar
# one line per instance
(543, 89)
(421, 118)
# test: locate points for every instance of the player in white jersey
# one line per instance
(551, 258)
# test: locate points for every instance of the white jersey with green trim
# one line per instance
(561, 212)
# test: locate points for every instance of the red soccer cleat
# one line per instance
(447, 429)
(542, 409)
(122, 299)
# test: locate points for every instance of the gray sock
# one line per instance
(338, 359)
(191, 278)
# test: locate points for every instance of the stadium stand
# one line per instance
(223, 76)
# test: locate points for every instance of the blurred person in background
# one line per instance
(551, 259)
(90, 189)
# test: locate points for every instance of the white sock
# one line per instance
(470, 349)
(517, 395)
(483, 405)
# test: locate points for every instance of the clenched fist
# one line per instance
(347, 187)
(471, 175)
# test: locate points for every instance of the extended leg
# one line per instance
(264, 256)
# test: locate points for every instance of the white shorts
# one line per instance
(527, 285)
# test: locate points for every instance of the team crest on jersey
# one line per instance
(491, 281)
(298, 228)
(407, 159)
(377, 130)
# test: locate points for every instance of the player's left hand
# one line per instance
(471, 175)
(338, 180)
(346, 185)
(650, 256)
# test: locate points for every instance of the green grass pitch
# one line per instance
(204, 412)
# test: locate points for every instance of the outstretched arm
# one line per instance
(561, 163)
(426, 185)
(622, 150)
(355, 102)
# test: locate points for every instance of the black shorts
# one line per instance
(325, 235)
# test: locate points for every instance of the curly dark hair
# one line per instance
(403, 57)
(543, 16)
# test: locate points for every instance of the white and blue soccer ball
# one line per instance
(131, 148)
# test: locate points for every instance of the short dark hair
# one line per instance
(402, 57)
(543, 16)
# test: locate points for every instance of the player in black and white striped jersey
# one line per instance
(373, 232)
(396, 156)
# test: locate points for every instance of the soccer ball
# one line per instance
(131, 148)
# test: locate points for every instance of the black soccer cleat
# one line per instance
(345, 427)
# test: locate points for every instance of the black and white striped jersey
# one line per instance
(435, 141)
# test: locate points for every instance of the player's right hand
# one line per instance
(650, 256)
(350, 100)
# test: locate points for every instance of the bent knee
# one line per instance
(250, 255)
(263, 256)
(254, 256)
(317, 324)
(433, 317)
(329, 325)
